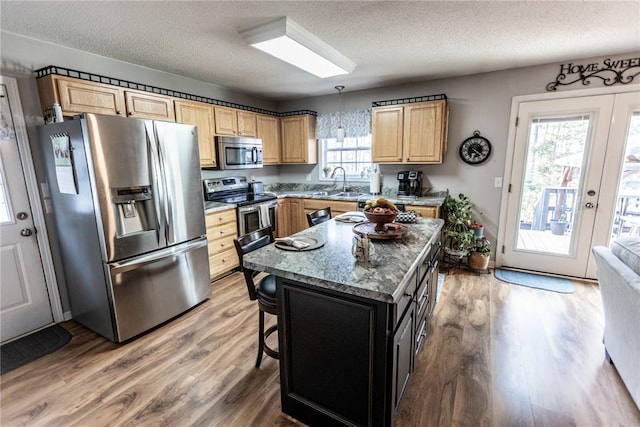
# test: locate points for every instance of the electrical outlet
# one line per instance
(497, 182)
(308, 177)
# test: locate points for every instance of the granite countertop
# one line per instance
(430, 199)
(332, 266)
(210, 207)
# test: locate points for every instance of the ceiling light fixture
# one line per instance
(288, 41)
(340, 133)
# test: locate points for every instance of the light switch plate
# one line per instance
(497, 182)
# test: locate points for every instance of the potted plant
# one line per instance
(479, 254)
(458, 236)
(326, 171)
(559, 226)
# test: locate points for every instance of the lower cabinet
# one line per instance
(290, 216)
(403, 357)
(351, 365)
(222, 229)
(337, 207)
(425, 211)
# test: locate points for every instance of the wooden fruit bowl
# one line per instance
(380, 219)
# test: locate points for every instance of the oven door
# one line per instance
(239, 156)
(256, 216)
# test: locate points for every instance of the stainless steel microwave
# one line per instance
(239, 152)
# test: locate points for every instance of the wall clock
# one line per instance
(475, 150)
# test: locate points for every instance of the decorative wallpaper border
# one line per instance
(411, 100)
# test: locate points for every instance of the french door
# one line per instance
(24, 298)
(568, 161)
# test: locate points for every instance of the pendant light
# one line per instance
(340, 132)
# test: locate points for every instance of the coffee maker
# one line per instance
(409, 184)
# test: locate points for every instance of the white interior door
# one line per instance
(24, 299)
(558, 163)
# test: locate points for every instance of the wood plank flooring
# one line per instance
(496, 355)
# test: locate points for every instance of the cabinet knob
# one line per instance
(118, 112)
(131, 113)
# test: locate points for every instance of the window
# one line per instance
(354, 153)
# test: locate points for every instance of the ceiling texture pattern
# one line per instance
(392, 42)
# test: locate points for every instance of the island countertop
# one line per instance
(332, 266)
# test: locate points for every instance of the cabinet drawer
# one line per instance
(425, 211)
(217, 246)
(221, 217)
(223, 262)
(336, 206)
(222, 231)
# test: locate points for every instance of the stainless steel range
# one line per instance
(256, 208)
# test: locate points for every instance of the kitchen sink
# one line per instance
(347, 194)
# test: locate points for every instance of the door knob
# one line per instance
(22, 215)
(588, 205)
(26, 232)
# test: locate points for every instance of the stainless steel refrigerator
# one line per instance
(127, 207)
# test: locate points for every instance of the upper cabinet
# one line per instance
(268, 129)
(79, 96)
(299, 144)
(232, 122)
(143, 105)
(409, 133)
(290, 139)
(200, 115)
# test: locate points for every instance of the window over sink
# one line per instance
(354, 154)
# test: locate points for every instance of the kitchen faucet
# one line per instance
(344, 177)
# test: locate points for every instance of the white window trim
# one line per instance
(323, 162)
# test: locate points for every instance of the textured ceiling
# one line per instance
(391, 42)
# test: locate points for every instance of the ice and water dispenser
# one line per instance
(135, 209)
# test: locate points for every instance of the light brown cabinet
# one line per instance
(143, 105)
(299, 144)
(291, 217)
(232, 122)
(409, 133)
(337, 207)
(221, 231)
(268, 129)
(77, 96)
(425, 211)
(200, 115)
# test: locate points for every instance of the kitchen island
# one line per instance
(349, 331)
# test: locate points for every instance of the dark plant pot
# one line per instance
(558, 227)
(479, 232)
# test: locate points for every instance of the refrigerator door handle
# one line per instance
(124, 266)
(159, 199)
(168, 208)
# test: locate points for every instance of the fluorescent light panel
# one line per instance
(288, 41)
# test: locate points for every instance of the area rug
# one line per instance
(27, 349)
(546, 283)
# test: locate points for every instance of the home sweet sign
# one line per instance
(609, 71)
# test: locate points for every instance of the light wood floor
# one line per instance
(497, 355)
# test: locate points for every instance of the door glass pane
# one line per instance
(5, 206)
(555, 158)
(627, 216)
